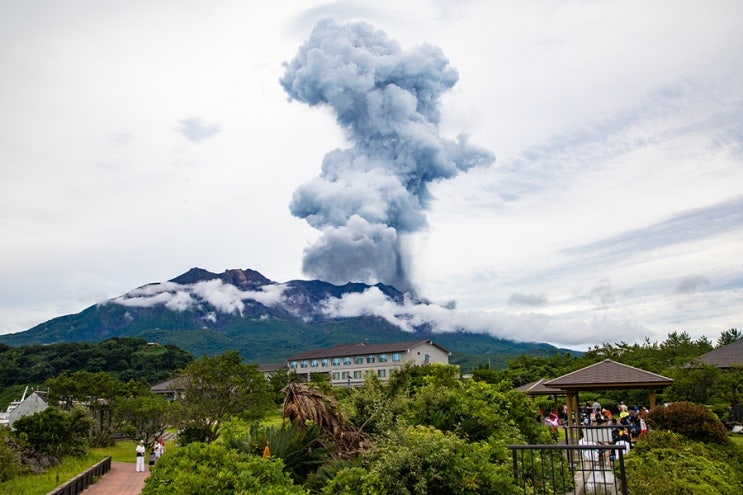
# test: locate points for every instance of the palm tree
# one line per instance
(306, 406)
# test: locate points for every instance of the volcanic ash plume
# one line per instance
(370, 195)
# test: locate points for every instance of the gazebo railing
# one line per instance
(569, 469)
(600, 435)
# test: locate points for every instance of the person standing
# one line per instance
(140, 450)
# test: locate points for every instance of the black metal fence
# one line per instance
(82, 481)
(569, 469)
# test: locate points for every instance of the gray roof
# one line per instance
(264, 368)
(726, 356)
(166, 386)
(362, 348)
(607, 375)
(537, 388)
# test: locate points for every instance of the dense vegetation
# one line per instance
(124, 359)
(425, 430)
(698, 383)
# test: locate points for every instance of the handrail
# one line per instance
(83, 480)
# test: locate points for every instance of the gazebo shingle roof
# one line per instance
(606, 375)
(724, 357)
(537, 388)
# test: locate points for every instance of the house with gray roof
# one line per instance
(34, 403)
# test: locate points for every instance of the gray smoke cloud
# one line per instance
(367, 197)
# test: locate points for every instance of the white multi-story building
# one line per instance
(347, 364)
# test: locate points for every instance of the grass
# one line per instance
(737, 438)
(123, 451)
(39, 484)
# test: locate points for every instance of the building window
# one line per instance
(383, 358)
(382, 373)
(397, 357)
(357, 375)
(371, 359)
(294, 365)
(303, 364)
(314, 363)
(344, 375)
(336, 375)
(347, 360)
(325, 362)
(336, 361)
(359, 359)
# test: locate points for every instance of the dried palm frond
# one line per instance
(304, 404)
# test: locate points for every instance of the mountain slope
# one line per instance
(208, 313)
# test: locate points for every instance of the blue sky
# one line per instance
(140, 139)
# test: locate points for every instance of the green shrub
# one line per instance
(422, 460)
(213, 469)
(10, 460)
(692, 420)
(667, 463)
(354, 481)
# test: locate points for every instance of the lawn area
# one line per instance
(737, 438)
(123, 451)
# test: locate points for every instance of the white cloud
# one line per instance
(195, 129)
(225, 298)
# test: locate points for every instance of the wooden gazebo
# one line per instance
(606, 375)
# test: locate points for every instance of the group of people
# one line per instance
(630, 421)
(157, 450)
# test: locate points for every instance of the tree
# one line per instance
(97, 391)
(699, 383)
(307, 407)
(478, 411)
(56, 432)
(728, 337)
(215, 388)
(143, 416)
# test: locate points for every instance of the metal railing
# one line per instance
(569, 469)
(82, 481)
(601, 435)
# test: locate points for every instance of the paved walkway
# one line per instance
(120, 480)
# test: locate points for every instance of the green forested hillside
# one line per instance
(124, 358)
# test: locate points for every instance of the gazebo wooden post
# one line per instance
(576, 422)
(651, 393)
(571, 397)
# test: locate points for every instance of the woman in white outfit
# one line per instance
(140, 457)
